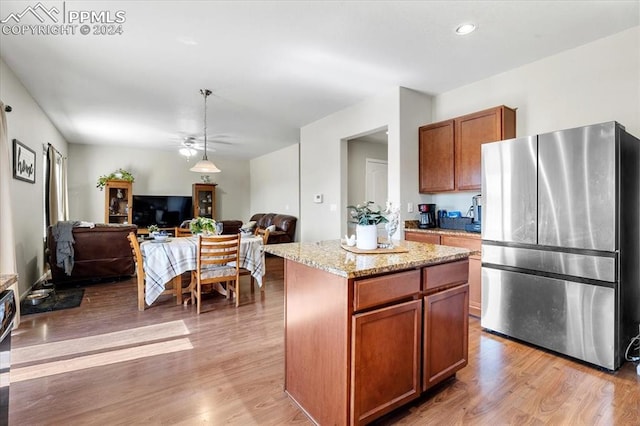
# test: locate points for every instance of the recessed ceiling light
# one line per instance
(465, 29)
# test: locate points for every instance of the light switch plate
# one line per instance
(409, 207)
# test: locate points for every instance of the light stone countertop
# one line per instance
(441, 231)
(330, 257)
(6, 280)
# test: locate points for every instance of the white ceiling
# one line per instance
(274, 66)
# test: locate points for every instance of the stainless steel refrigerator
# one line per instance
(561, 241)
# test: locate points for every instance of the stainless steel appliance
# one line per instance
(7, 317)
(427, 216)
(561, 241)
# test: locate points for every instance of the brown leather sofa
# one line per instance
(285, 226)
(229, 227)
(99, 252)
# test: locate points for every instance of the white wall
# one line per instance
(590, 84)
(275, 181)
(156, 172)
(28, 123)
(415, 110)
(323, 157)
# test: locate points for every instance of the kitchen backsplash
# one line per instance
(457, 201)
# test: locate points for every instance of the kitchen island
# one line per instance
(367, 333)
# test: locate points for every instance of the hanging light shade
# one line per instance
(204, 165)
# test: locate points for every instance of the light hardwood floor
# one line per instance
(107, 363)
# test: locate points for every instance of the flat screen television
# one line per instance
(166, 211)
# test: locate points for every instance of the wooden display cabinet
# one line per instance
(450, 153)
(204, 200)
(118, 201)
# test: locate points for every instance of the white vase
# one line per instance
(366, 237)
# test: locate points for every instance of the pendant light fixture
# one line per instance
(204, 165)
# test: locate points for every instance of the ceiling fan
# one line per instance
(190, 145)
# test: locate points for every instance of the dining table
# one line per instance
(165, 261)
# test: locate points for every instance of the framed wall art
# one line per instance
(24, 162)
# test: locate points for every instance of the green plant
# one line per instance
(153, 228)
(202, 224)
(366, 215)
(119, 174)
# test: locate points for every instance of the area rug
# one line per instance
(60, 299)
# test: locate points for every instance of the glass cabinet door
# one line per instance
(118, 202)
(204, 200)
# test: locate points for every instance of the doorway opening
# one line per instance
(367, 170)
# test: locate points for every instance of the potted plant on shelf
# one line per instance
(119, 174)
(152, 229)
(366, 219)
(202, 225)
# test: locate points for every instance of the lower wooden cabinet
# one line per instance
(422, 237)
(356, 349)
(475, 264)
(385, 365)
(446, 334)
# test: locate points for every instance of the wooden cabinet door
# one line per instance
(385, 360)
(471, 131)
(475, 269)
(436, 157)
(422, 237)
(446, 334)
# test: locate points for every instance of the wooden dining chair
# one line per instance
(215, 253)
(183, 232)
(137, 256)
(264, 234)
(189, 276)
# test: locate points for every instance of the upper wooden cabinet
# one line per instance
(118, 201)
(450, 150)
(437, 157)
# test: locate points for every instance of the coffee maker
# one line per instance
(427, 216)
(476, 224)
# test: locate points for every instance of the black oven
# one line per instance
(7, 316)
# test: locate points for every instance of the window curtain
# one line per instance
(57, 205)
(7, 241)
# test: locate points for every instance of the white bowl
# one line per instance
(161, 237)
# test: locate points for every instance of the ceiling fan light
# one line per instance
(188, 152)
(205, 166)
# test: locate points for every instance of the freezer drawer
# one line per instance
(590, 266)
(568, 317)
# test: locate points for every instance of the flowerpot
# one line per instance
(366, 237)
